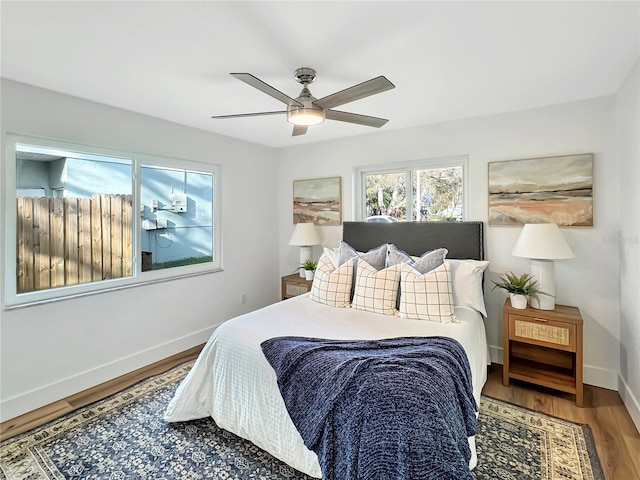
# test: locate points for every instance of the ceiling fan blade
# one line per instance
(355, 118)
(299, 130)
(266, 88)
(362, 90)
(259, 114)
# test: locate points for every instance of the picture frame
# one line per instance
(542, 190)
(318, 200)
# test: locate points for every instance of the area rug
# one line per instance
(125, 437)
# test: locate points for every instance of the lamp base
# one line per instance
(543, 271)
(305, 254)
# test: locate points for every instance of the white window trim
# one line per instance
(360, 202)
(9, 283)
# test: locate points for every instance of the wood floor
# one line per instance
(54, 410)
(615, 435)
(617, 440)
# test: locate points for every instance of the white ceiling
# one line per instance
(448, 60)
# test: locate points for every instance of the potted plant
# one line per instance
(521, 288)
(309, 267)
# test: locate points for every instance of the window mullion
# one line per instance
(137, 202)
(409, 194)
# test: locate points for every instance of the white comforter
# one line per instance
(232, 381)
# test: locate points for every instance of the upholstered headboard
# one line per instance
(462, 239)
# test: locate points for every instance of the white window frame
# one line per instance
(14, 300)
(360, 173)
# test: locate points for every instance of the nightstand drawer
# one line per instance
(293, 290)
(543, 332)
(294, 285)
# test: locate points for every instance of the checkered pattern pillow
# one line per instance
(376, 290)
(331, 285)
(427, 262)
(427, 296)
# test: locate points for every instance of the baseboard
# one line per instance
(47, 394)
(495, 354)
(630, 401)
(597, 376)
(600, 377)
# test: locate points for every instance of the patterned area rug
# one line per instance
(125, 437)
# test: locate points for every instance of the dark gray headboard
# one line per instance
(462, 239)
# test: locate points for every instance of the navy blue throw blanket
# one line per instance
(399, 408)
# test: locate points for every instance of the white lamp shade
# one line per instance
(542, 241)
(305, 234)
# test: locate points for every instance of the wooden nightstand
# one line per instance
(294, 285)
(544, 347)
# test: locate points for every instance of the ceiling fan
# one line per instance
(306, 110)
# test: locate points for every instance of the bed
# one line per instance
(233, 383)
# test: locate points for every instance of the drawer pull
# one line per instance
(540, 319)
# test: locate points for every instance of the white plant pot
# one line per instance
(518, 301)
(308, 274)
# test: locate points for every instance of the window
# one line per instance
(421, 191)
(84, 219)
(177, 215)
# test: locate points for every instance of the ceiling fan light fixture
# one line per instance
(305, 116)
(306, 110)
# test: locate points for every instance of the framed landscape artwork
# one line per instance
(542, 190)
(318, 200)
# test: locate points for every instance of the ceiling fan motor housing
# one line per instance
(305, 75)
(308, 114)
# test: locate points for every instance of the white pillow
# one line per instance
(332, 286)
(466, 277)
(376, 290)
(427, 296)
(333, 254)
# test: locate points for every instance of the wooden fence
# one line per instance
(69, 241)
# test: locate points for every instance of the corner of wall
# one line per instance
(630, 401)
(628, 151)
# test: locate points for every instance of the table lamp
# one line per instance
(305, 235)
(543, 243)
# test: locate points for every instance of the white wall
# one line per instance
(590, 281)
(54, 350)
(628, 128)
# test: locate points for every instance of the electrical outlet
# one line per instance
(243, 298)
